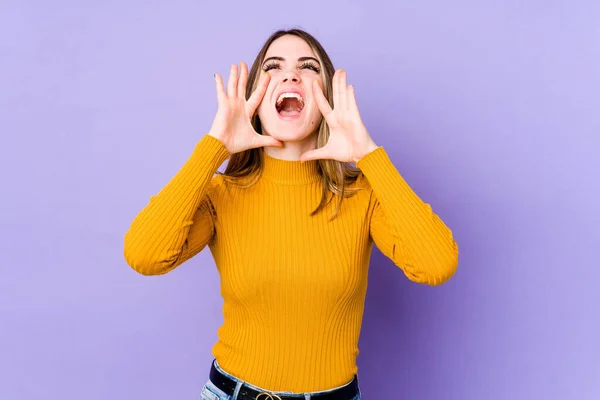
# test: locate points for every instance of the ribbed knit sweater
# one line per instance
(293, 285)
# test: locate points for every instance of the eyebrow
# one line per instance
(299, 59)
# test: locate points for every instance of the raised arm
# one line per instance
(178, 222)
(402, 226)
(405, 228)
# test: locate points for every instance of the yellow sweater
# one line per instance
(293, 285)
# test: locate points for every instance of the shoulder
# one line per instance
(217, 181)
(215, 186)
(360, 191)
(221, 186)
(361, 183)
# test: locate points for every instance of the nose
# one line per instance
(291, 76)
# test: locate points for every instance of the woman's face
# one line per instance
(288, 111)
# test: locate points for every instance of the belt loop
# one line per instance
(238, 386)
(306, 396)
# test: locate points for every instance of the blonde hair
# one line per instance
(336, 176)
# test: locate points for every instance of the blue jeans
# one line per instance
(211, 392)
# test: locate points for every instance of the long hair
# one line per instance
(335, 176)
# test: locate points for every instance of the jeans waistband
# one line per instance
(300, 396)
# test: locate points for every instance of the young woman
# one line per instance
(290, 223)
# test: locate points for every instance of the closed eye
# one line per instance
(271, 65)
(307, 63)
(310, 65)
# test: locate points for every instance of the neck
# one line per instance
(292, 150)
(289, 172)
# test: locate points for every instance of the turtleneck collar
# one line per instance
(289, 172)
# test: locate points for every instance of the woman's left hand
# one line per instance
(349, 140)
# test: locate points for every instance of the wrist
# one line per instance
(216, 135)
(220, 138)
(365, 151)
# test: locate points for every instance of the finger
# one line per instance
(352, 105)
(259, 92)
(321, 100)
(336, 89)
(343, 100)
(266, 141)
(241, 87)
(322, 153)
(221, 95)
(232, 83)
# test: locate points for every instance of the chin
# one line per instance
(285, 134)
(290, 129)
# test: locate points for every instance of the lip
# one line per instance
(289, 90)
(289, 118)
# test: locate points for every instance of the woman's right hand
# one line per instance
(232, 124)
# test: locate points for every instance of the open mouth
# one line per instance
(289, 104)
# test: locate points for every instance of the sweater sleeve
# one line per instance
(404, 228)
(178, 222)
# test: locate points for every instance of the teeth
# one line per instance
(289, 95)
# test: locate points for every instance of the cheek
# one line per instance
(261, 108)
(319, 80)
(265, 102)
(314, 116)
(264, 106)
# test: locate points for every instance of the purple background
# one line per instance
(490, 109)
